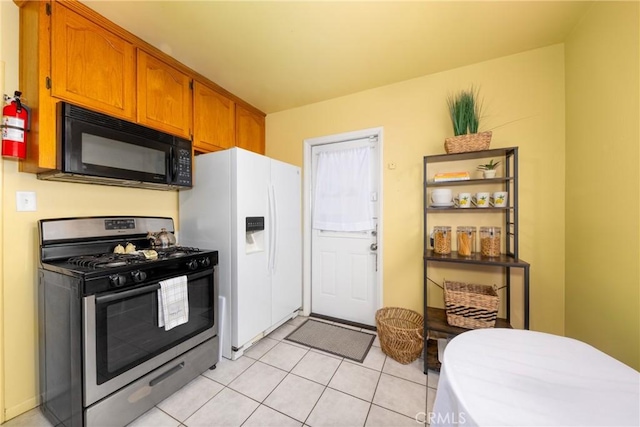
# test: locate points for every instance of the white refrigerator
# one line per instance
(248, 208)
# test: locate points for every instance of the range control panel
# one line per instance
(119, 224)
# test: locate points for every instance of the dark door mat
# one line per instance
(343, 342)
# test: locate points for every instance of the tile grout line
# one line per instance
(375, 390)
(267, 396)
(322, 394)
(314, 406)
(281, 381)
(223, 387)
(171, 416)
(390, 410)
(200, 407)
(251, 398)
(380, 372)
(290, 372)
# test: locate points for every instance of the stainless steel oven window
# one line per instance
(100, 151)
(108, 338)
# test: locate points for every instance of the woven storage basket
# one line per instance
(468, 142)
(470, 306)
(401, 333)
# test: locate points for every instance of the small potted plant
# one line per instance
(465, 108)
(489, 169)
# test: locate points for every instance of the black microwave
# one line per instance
(99, 149)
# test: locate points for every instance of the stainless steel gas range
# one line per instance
(104, 358)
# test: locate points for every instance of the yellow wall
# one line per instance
(19, 238)
(603, 182)
(524, 104)
(2, 90)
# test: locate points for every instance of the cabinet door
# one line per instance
(164, 96)
(91, 66)
(213, 119)
(249, 130)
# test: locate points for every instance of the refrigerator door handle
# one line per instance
(274, 229)
(270, 242)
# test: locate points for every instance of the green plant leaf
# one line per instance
(464, 109)
(489, 166)
(458, 115)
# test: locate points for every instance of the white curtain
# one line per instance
(343, 189)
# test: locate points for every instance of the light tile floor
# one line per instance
(278, 383)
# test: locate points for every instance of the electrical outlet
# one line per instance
(25, 201)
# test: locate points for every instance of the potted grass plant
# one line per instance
(465, 109)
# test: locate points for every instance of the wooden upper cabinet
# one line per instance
(250, 132)
(91, 66)
(164, 96)
(213, 119)
(69, 52)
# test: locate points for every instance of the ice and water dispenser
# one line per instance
(254, 234)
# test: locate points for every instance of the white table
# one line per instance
(508, 377)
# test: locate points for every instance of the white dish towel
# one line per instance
(173, 303)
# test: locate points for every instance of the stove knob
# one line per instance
(192, 265)
(138, 276)
(117, 280)
(204, 262)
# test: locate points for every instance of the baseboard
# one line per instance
(20, 409)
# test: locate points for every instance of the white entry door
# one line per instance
(344, 264)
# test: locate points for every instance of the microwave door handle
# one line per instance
(171, 167)
(169, 162)
(174, 164)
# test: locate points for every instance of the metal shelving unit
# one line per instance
(435, 318)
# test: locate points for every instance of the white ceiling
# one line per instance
(278, 55)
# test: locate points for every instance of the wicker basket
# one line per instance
(401, 333)
(470, 306)
(468, 142)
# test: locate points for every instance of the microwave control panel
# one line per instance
(183, 176)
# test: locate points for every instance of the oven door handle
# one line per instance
(127, 294)
(145, 289)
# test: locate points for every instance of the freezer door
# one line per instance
(286, 259)
(251, 292)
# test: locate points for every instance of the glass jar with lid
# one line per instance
(466, 236)
(490, 241)
(442, 239)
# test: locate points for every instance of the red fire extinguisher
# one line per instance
(15, 124)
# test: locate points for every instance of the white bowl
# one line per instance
(441, 195)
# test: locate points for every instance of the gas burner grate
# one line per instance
(111, 260)
(186, 249)
(107, 260)
(176, 251)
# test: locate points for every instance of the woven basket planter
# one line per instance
(470, 306)
(401, 333)
(468, 142)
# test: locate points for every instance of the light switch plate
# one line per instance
(25, 201)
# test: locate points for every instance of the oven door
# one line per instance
(122, 339)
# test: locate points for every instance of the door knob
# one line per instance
(374, 246)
